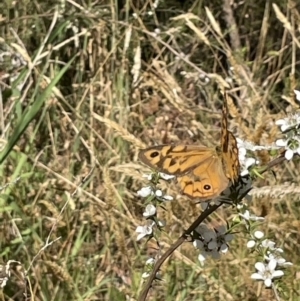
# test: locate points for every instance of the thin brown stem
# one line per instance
(173, 247)
(231, 25)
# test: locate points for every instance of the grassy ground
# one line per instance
(84, 86)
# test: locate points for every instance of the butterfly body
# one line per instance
(202, 172)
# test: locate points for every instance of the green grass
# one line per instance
(71, 135)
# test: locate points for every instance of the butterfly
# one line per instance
(201, 172)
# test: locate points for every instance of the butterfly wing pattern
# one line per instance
(202, 172)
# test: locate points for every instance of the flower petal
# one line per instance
(268, 282)
(257, 276)
(250, 244)
(260, 266)
(272, 264)
(289, 154)
(277, 274)
(281, 142)
(258, 234)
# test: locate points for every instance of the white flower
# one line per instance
(258, 234)
(161, 223)
(241, 206)
(204, 251)
(244, 161)
(166, 176)
(289, 122)
(208, 246)
(145, 191)
(150, 210)
(167, 197)
(150, 261)
(144, 230)
(160, 196)
(289, 154)
(242, 152)
(158, 193)
(212, 245)
(158, 276)
(162, 175)
(204, 254)
(246, 164)
(283, 124)
(247, 145)
(267, 272)
(251, 243)
(267, 243)
(209, 236)
(223, 238)
(148, 190)
(224, 248)
(204, 205)
(292, 146)
(247, 216)
(212, 241)
(297, 94)
(280, 260)
(202, 229)
(198, 244)
(145, 275)
(202, 257)
(148, 176)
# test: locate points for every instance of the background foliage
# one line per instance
(84, 85)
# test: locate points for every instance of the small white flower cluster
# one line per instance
(245, 161)
(211, 242)
(155, 196)
(151, 191)
(247, 216)
(290, 126)
(149, 266)
(266, 269)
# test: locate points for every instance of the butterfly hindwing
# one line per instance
(205, 181)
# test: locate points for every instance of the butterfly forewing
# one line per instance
(176, 159)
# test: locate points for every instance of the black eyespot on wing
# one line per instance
(154, 154)
(206, 187)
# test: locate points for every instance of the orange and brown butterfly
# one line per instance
(202, 172)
